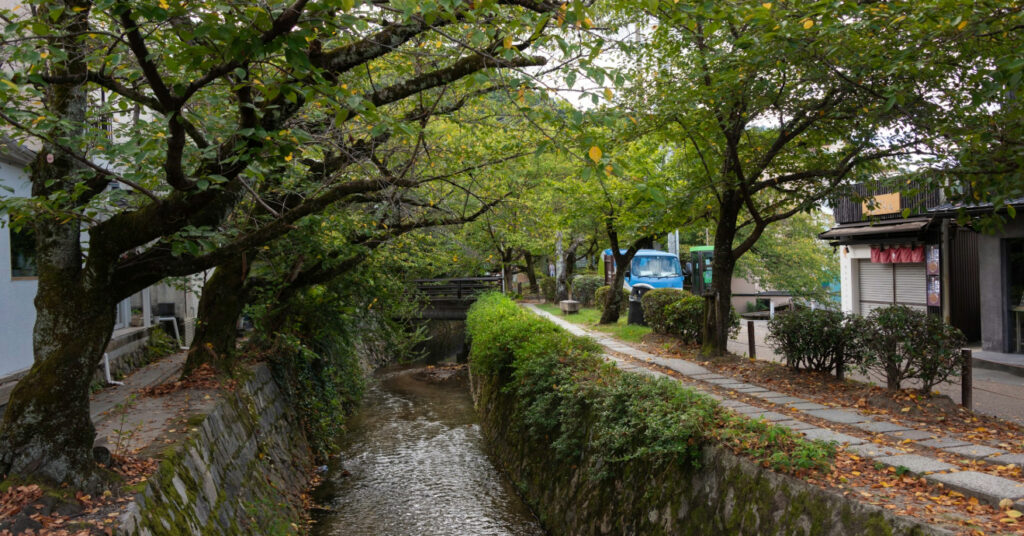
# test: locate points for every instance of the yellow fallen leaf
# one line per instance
(1005, 503)
(1013, 513)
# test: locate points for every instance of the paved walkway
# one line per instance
(793, 412)
(998, 390)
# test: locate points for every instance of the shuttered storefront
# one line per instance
(881, 285)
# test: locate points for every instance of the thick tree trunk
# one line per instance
(613, 300)
(47, 434)
(561, 280)
(531, 273)
(223, 299)
(717, 301)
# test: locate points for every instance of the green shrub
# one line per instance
(905, 344)
(686, 318)
(813, 339)
(601, 294)
(654, 303)
(566, 396)
(548, 288)
(584, 287)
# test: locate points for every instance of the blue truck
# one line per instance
(650, 269)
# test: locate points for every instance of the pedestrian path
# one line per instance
(909, 448)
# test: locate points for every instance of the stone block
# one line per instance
(840, 416)
(914, 435)
(751, 389)
(795, 425)
(768, 416)
(828, 435)
(878, 427)
(1007, 459)
(986, 487)
(975, 452)
(871, 450)
(916, 463)
(804, 406)
(943, 443)
(569, 306)
(784, 400)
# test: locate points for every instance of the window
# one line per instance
(23, 253)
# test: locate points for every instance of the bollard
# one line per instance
(967, 379)
(750, 339)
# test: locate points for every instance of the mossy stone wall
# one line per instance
(240, 472)
(726, 495)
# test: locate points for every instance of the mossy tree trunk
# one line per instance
(224, 297)
(47, 434)
(531, 273)
(717, 300)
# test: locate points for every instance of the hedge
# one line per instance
(567, 395)
(813, 339)
(584, 287)
(907, 344)
(654, 303)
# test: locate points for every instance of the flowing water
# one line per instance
(414, 463)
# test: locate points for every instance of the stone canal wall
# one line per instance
(240, 471)
(726, 495)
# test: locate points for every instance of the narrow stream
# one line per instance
(414, 463)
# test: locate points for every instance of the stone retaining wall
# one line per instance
(727, 495)
(239, 472)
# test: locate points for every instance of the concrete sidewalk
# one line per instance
(908, 447)
(998, 390)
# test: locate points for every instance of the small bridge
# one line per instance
(449, 299)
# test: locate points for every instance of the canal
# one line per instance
(414, 463)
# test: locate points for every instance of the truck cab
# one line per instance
(649, 269)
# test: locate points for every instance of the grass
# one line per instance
(589, 316)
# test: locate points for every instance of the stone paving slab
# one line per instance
(746, 408)
(748, 389)
(681, 366)
(795, 425)
(707, 376)
(770, 416)
(913, 435)
(975, 452)
(943, 443)
(841, 416)
(985, 487)
(771, 394)
(730, 403)
(723, 380)
(878, 427)
(1007, 459)
(804, 406)
(872, 450)
(916, 463)
(828, 435)
(781, 401)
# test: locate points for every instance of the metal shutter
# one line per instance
(875, 285)
(911, 285)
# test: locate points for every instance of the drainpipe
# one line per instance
(106, 370)
(944, 252)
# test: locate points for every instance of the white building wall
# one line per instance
(17, 307)
(848, 276)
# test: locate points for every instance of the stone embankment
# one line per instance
(240, 471)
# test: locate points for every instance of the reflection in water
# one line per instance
(413, 463)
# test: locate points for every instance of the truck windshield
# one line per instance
(656, 267)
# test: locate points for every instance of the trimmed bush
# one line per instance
(907, 344)
(686, 317)
(654, 303)
(565, 395)
(548, 288)
(813, 340)
(602, 293)
(584, 287)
